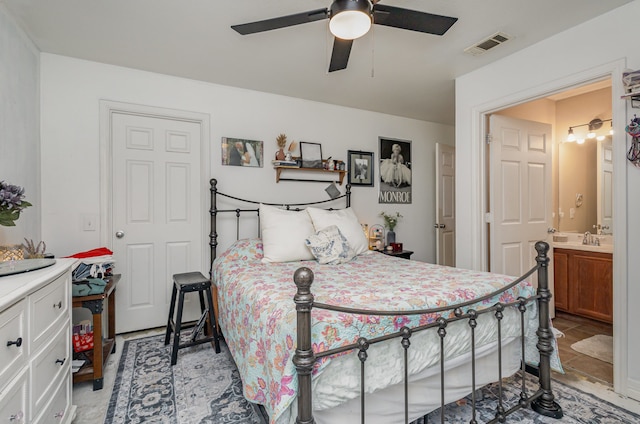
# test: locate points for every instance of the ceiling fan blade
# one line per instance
(412, 19)
(282, 21)
(340, 54)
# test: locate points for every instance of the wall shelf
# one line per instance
(279, 169)
(634, 97)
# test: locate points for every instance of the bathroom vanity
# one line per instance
(583, 281)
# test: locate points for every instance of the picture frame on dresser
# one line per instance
(360, 168)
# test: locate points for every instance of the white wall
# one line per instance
(72, 90)
(19, 125)
(556, 62)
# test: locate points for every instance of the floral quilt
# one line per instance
(258, 316)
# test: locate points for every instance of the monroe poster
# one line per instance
(395, 171)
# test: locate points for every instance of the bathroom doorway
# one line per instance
(581, 211)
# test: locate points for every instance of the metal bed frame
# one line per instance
(542, 401)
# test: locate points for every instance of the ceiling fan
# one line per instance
(351, 19)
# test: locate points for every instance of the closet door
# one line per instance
(157, 214)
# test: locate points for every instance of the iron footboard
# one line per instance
(542, 401)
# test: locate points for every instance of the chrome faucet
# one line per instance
(587, 238)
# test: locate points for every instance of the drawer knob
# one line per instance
(17, 416)
(17, 342)
(57, 305)
(61, 361)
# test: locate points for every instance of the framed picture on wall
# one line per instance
(360, 168)
(311, 154)
(395, 171)
(239, 152)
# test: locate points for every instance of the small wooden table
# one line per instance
(101, 348)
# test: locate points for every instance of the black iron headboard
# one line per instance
(214, 211)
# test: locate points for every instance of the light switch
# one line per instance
(572, 213)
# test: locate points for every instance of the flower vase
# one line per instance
(280, 155)
(391, 237)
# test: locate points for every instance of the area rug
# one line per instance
(205, 388)
(598, 346)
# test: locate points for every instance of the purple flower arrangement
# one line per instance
(11, 203)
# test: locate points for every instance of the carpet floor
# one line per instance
(205, 388)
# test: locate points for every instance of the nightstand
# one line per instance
(405, 254)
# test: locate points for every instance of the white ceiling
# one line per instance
(390, 70)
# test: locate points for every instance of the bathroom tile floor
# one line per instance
(575, 364)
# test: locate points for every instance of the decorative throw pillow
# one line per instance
(347, 223)
(284, 234)
(329, 246)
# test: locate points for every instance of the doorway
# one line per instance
(578, 195)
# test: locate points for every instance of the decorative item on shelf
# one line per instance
(311, 155)
(376, 237)
(292, 148)
(11, 253)
(34, 251)
(281, 140)
(390, 222)
(11, 203)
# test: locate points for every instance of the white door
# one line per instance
(157, 217)
(520, 200)
(445, 205)
(605, 185)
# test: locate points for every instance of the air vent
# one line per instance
(486, 45)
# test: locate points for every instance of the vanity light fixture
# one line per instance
(594, 125)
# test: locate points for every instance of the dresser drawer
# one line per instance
(58, 410)
(50, 366)
(13, 341)
(14, 400)
(47, 306)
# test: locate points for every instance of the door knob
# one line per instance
(438, 225)
(551, 230)
(119, 234)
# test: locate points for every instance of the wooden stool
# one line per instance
(187, 283)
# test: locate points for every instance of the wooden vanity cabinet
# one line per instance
(583, 283)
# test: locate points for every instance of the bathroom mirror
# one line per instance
(585, 179)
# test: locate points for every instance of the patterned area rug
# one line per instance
(201, 388)
(205, 388)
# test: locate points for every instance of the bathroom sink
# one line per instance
(605, 248)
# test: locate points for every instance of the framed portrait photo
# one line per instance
(360, 168)
(311, 154)
(240, 152)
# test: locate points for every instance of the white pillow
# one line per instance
(284, 234)
(329, 246)
(346, 221)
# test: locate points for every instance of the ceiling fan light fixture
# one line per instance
(350, 19)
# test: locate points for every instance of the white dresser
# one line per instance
(35, 346)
